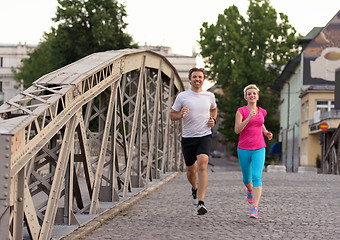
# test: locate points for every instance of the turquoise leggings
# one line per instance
(252, 162)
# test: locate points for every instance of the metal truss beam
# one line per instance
(87, 133)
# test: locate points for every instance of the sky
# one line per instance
(172, 23)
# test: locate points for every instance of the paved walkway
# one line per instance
(293, 206)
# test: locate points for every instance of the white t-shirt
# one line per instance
(195, 122)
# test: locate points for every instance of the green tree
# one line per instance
(82, 27)
(239, 51)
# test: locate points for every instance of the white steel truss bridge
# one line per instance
(85, 134)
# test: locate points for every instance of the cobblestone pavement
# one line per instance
(293, 206)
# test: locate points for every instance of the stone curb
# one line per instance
(110, 213)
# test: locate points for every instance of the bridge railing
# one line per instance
(85, 134)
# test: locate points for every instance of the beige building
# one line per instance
(317, 106)
(182, 63)
(10, 57)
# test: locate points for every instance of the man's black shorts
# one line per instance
(193, 146)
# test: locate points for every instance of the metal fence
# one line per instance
(87, 133)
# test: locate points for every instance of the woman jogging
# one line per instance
(249, 123)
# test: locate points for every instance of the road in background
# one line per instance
(224, 164)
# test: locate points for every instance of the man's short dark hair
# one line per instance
(196, 70)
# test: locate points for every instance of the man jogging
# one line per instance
(198, 110)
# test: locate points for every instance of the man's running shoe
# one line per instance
(194, 196)
(254, 212)
(250, 196)
(201, 209)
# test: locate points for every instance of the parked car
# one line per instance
(216, 154)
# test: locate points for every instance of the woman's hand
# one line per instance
(252, 113)
(268, 134)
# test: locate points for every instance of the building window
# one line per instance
(324, 105)
(1, 61)
(305, 111)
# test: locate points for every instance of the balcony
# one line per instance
(332, 118)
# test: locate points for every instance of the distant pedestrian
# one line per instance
(198, 110)
(249, 123)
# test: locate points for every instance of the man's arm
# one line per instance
(174, 115)
(213, 113)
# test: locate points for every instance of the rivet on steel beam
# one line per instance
(20, 199)
(5, 204)
(7, 165)
(6, 176)
(6, 186)
(7, 155)
(5, 194)
(7, 139)
(7, 147)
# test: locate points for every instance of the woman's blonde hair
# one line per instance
(251, 86)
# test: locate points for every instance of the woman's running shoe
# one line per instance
(254, 212)
(250, 196)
